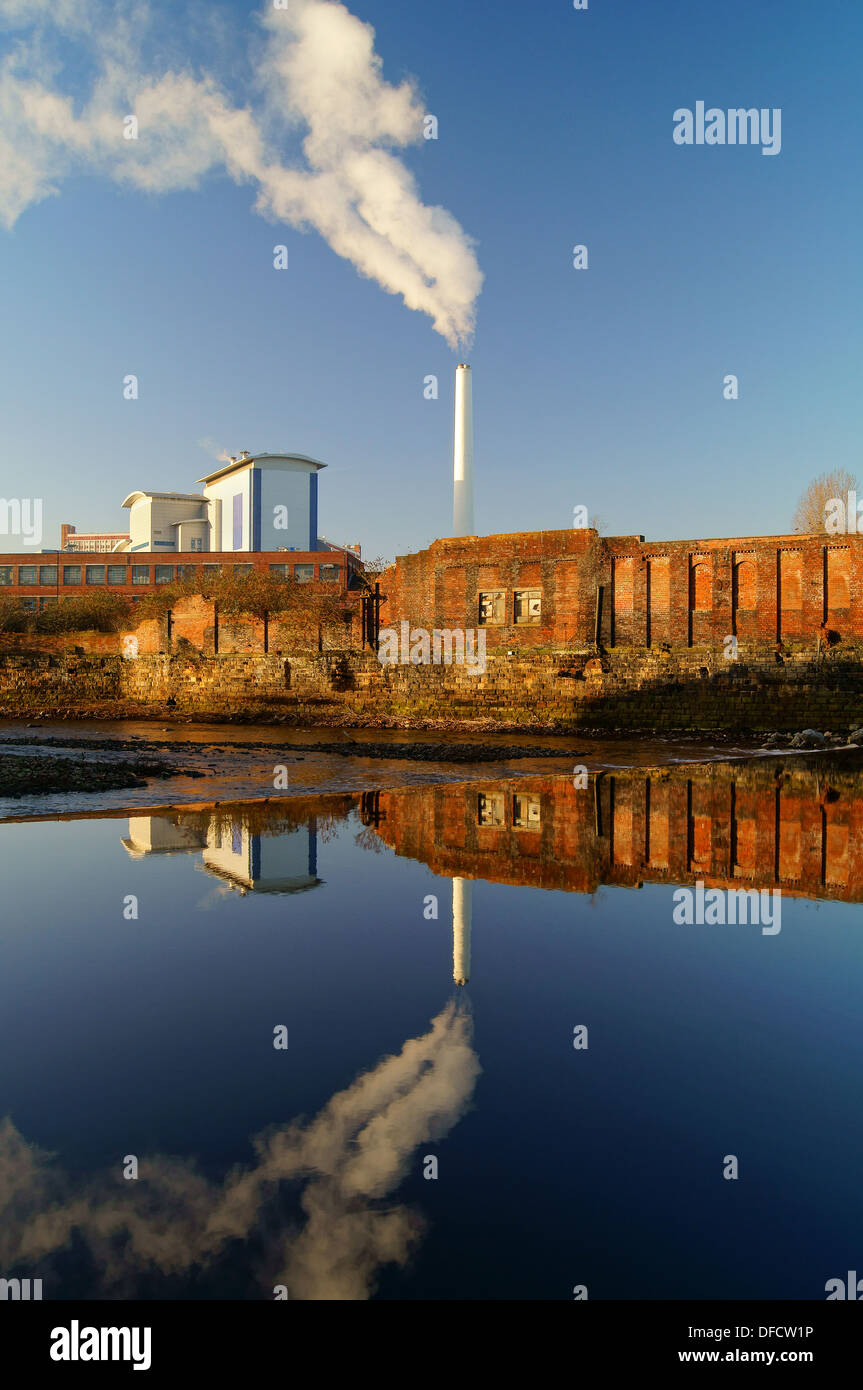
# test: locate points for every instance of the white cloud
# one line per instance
(318, 73)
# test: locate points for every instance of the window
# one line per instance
(243, 569)
(492, 608)
(528, 606)
(211, 569)
(71, 574)
(27, 574)
(526, 814)
(29, 605)
(304, 574)
(280, 571)
(329, 574)
(196, 543)
(47, 574)
(164, 574)
(45, 602)
(5, 574)
(116, 574)
(489, 809)
(186, 571)
(140, 574)
(95, 574)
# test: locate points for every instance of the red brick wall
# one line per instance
(687, 593)
(260, 560)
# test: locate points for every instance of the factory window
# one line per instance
(211, 569)
(47, 574)
(492, 607)
(44, 602)
(116, 574)
(243, 569)
(526, 814)
(196, 543)
(5, 574)
(29, 605)
(164, 574)
(528, 606)
(304, 574)
(140, 574)
(329, 574)
(489, 809)
(280, 571)
(186, 571)
(94, 574)
(26, 574)
(71, 574)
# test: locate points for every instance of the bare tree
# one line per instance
(812, 511)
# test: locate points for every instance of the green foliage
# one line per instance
(12, 616)
(96, 612)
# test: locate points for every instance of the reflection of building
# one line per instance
(767, 823)
(159, 835)
(283, 862)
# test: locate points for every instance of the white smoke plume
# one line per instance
(317, 72)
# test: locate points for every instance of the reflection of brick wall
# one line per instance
(730, 826)
(685, 593)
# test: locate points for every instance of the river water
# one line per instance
(440, 1042)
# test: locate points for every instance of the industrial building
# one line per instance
(263, 506)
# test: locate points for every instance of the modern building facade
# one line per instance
(256, 502)
(261, 506)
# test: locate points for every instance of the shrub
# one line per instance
(13, 617)
(97, 612)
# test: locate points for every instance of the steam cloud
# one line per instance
(317, 70)
(171, 1220)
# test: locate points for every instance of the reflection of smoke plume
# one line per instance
(319, 71)
(354, 1153)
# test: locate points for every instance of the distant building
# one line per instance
(93, 542)
(257, 502)
(262, 506)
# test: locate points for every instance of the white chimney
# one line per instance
(462, 459)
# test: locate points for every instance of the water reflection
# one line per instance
(327, 1204)
(172, 1220)
(284, 862)
(724, 824)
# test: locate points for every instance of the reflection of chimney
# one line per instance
(462, 912)
(462, 458)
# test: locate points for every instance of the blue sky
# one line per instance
(601, 387)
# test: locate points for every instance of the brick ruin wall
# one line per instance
(625, 592)
(662, 612)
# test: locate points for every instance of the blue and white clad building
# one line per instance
(256, 502)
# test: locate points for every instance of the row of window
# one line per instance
(141, 574)
(494, 610)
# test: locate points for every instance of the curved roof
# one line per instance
(171, 496)
(255, 458)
